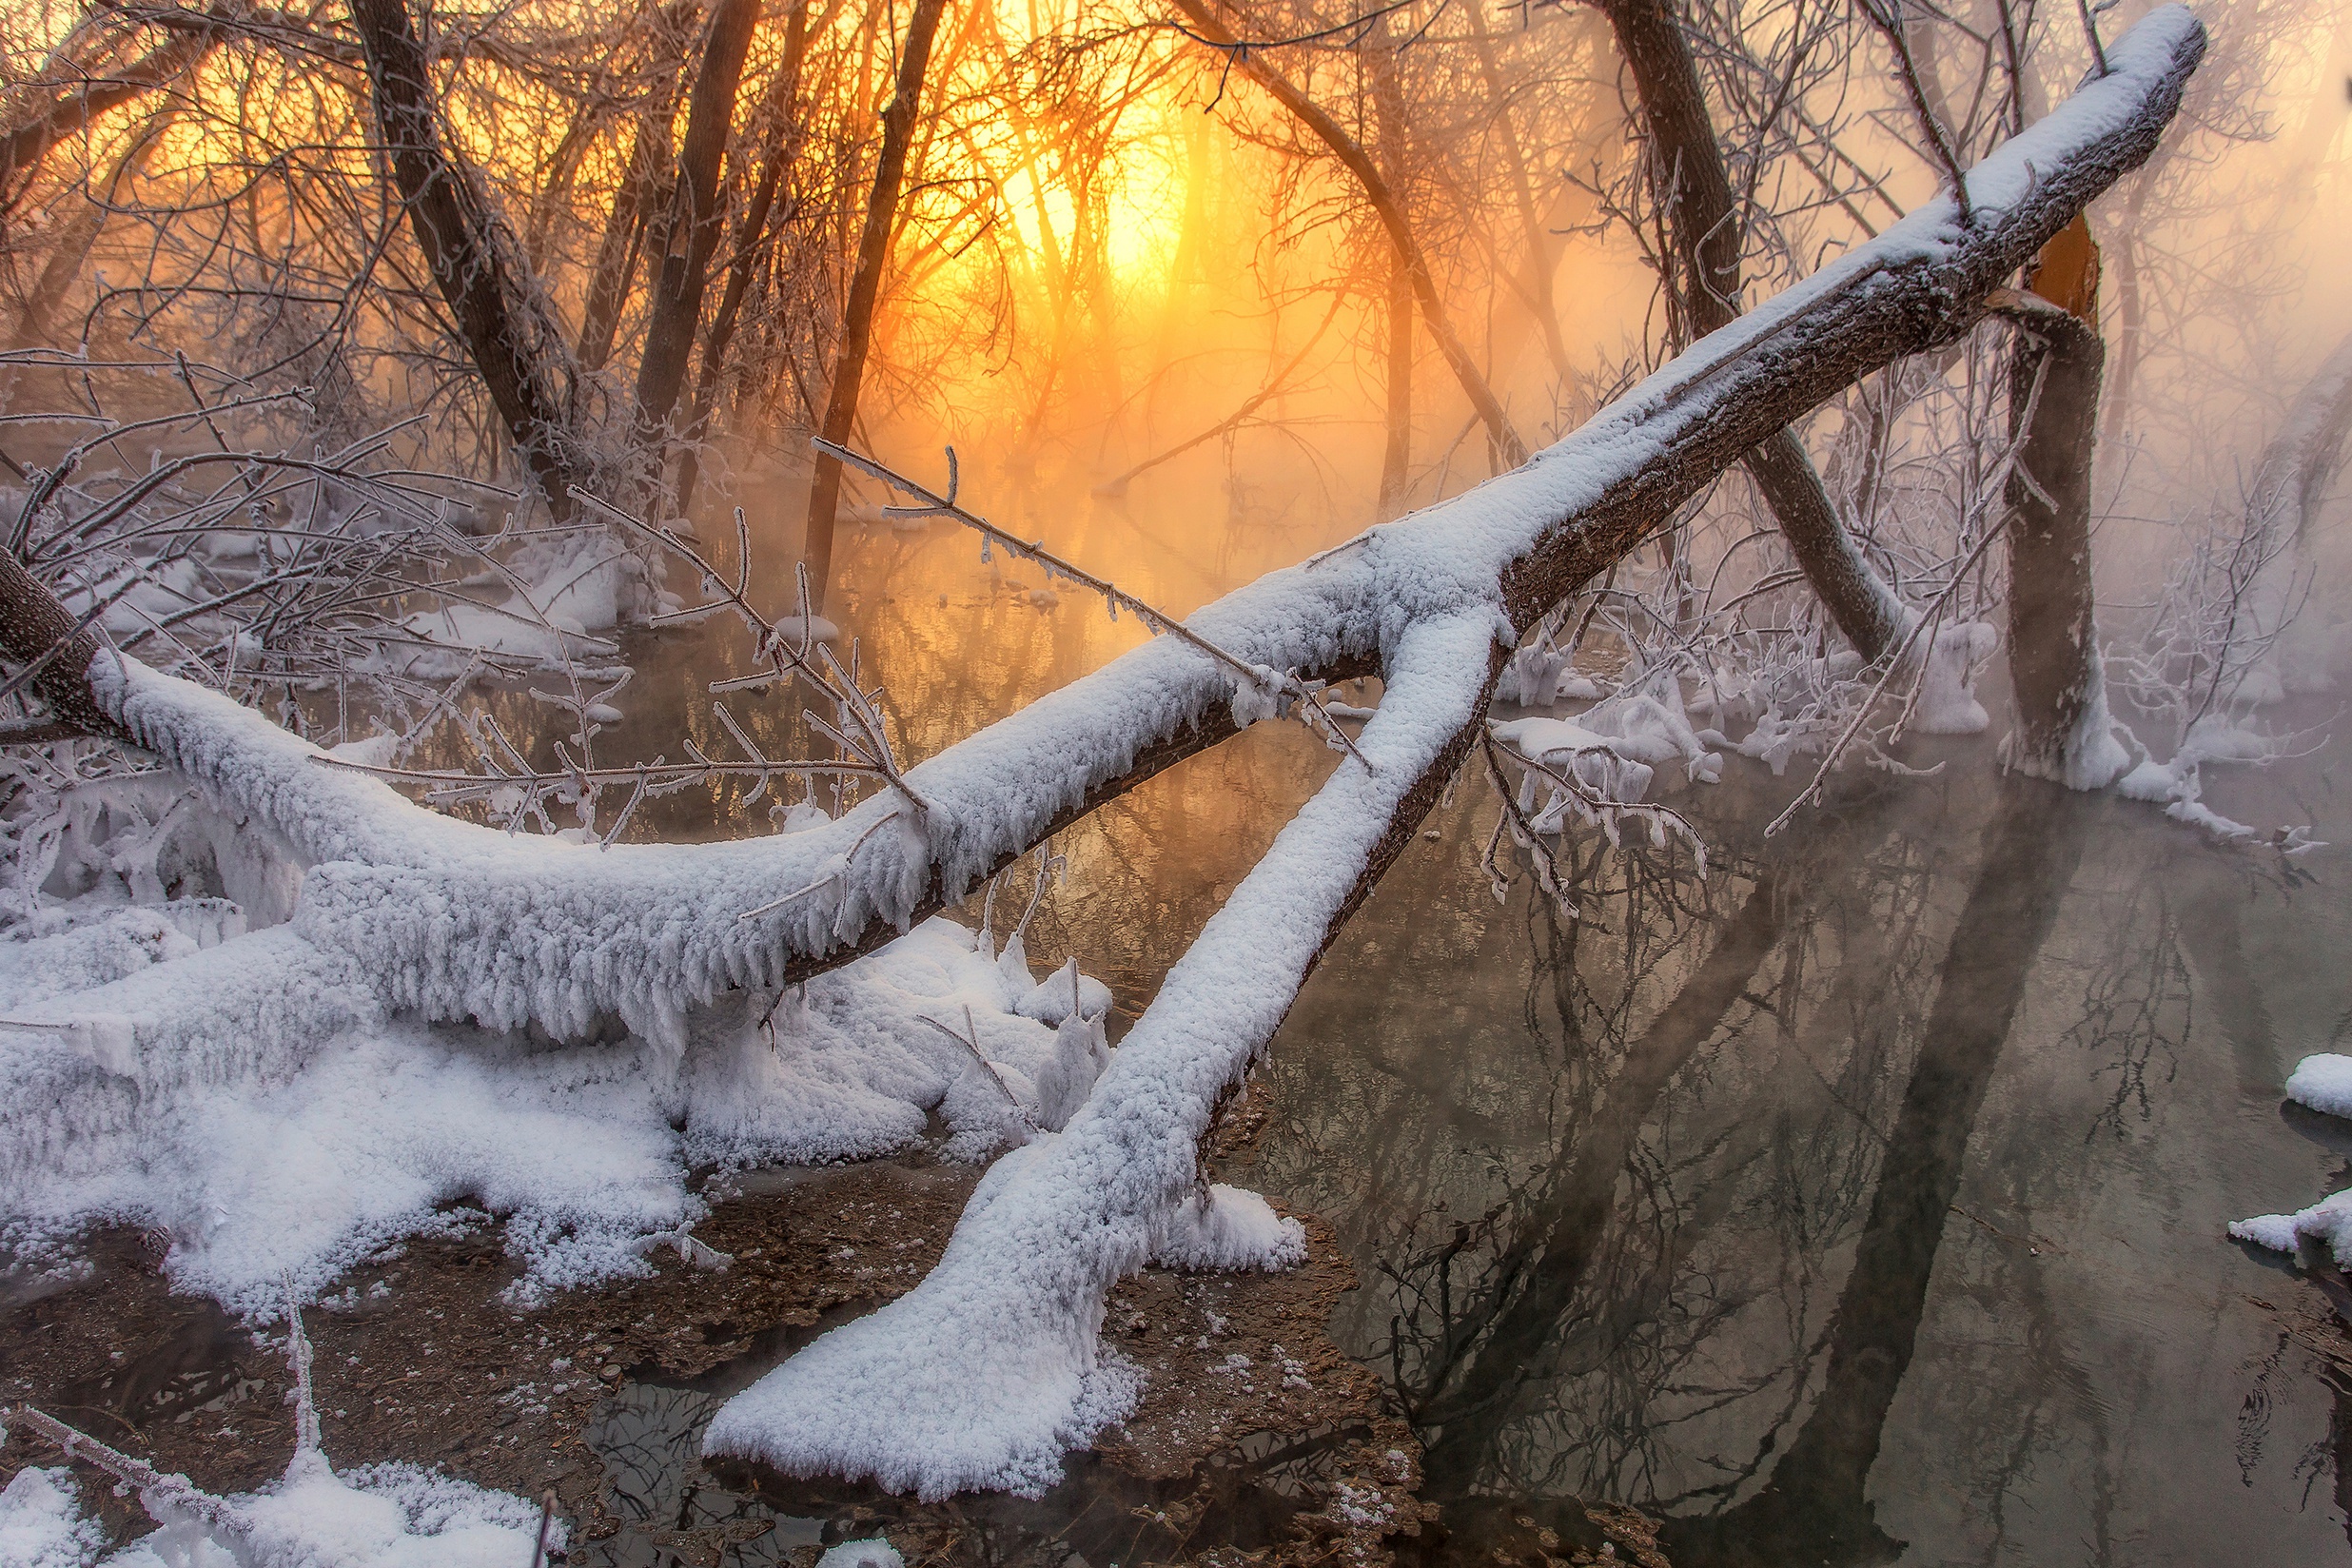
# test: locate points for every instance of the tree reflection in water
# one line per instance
(1667, 1238)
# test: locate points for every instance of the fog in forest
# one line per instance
(835, 782)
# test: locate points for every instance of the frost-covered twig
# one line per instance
(165, 1496)
(969, 1040)
(1897, 662)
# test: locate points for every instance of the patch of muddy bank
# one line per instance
(1255, 1436)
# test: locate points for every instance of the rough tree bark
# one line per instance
(873, 255)
(2052, 634)
(34, 626)
(691, 229)
(472, 260)
(1703, 295)
(1509, 448)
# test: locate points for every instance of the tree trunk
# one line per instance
(34, 625)
(1543, 249)
(1702, 295)
(1397, 455)
(1380, 63)
(782, 147)
(2052, 633)
(693, 229)
(1509, 448)
(873, 254)
(472, 262)
(2130, 309)
(624, 225)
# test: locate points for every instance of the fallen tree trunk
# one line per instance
(989, 1370)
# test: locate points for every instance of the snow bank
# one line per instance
(1225, 1228)
(1947, 705)
(377, 1516)
(253, 1101)
(876, 1552)
(2178, 785)
(2327, 1223)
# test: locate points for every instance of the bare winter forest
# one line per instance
(1118, 781)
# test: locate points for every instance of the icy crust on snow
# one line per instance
(289, 1126)
(41, 1522)
(982, 1375)
(379, 1515)
(43, 958)
(875, 1553)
